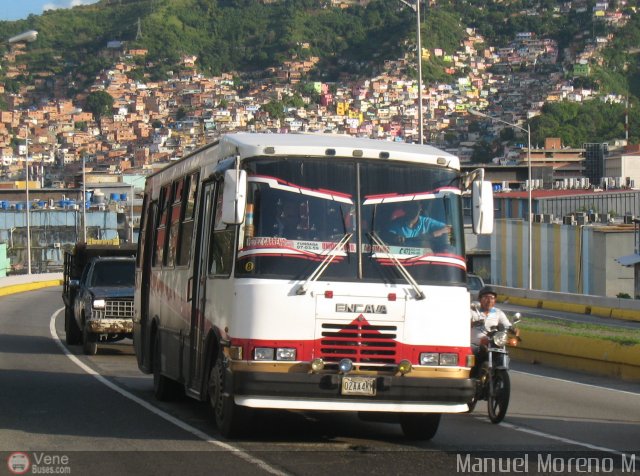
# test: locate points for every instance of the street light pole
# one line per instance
(529, 194)
(416, 8)
(28, 211)
(84, 200)
(131, 224)
(530, 205)
(419, 53)
(25, 37)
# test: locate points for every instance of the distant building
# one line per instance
(624, 164)
(595, 155)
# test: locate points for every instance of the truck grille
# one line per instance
(119, 309)
(362, 343)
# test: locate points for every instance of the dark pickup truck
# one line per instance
(98, 287)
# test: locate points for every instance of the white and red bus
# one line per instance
(270, 275)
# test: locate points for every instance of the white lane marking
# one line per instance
(171, 419)
(589, 385)
(562, 439)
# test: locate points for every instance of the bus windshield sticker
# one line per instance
(392, 198)
(325, 194)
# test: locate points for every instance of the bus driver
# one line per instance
(415, 225)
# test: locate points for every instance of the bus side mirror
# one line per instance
(482, 205)
(234, 196)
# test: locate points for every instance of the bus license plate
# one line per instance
(358, 386)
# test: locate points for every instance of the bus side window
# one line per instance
(185, 240)
(161, 233)
(174, 221)
(222, 240)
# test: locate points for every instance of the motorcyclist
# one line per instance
(485, 316)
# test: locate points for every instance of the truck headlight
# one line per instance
(99, 303)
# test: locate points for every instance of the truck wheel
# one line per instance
(71, 329)
(230, 418)
(164, 388)
(420, 426)
(89, 341)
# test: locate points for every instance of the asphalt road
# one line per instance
(96, 415)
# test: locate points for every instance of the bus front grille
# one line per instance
(362, 343)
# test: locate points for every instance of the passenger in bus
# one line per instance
(411, 224)
(288, 220)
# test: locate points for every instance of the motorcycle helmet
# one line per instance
(487, 290)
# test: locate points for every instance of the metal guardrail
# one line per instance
(616, 308)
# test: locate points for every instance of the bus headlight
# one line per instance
(448, 359)
(429, 358)
(345, 365)
(99, 303)
(263, 353)
(285, 353)
(317, 365)
(269, 353)
(404, 367)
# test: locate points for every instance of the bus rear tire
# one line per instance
(420, 426)
(229, 417)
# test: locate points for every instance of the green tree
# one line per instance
(181, 113)
(275, 109)
(100, 103)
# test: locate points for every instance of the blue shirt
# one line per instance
(424, 226)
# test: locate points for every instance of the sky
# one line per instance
(20, 9)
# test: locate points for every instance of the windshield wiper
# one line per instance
(399, 266)
(333, 252)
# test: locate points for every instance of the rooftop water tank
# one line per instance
(98, 197)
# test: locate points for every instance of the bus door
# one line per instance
(145, 255)
(199, 292)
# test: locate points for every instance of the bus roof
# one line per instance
(325, 145)
(248, 145)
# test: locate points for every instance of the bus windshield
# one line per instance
(386, 214)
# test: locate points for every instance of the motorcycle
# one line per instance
(492, 370)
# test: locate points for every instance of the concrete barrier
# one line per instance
(28, 282)
(595, 356)
(616, 308)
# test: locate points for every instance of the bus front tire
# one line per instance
(229, 417)
(420, 426)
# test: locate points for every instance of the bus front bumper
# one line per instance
(310, 391)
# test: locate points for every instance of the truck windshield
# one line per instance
(113, 273)
(387, 213)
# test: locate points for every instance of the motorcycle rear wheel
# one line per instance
(498, 400)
